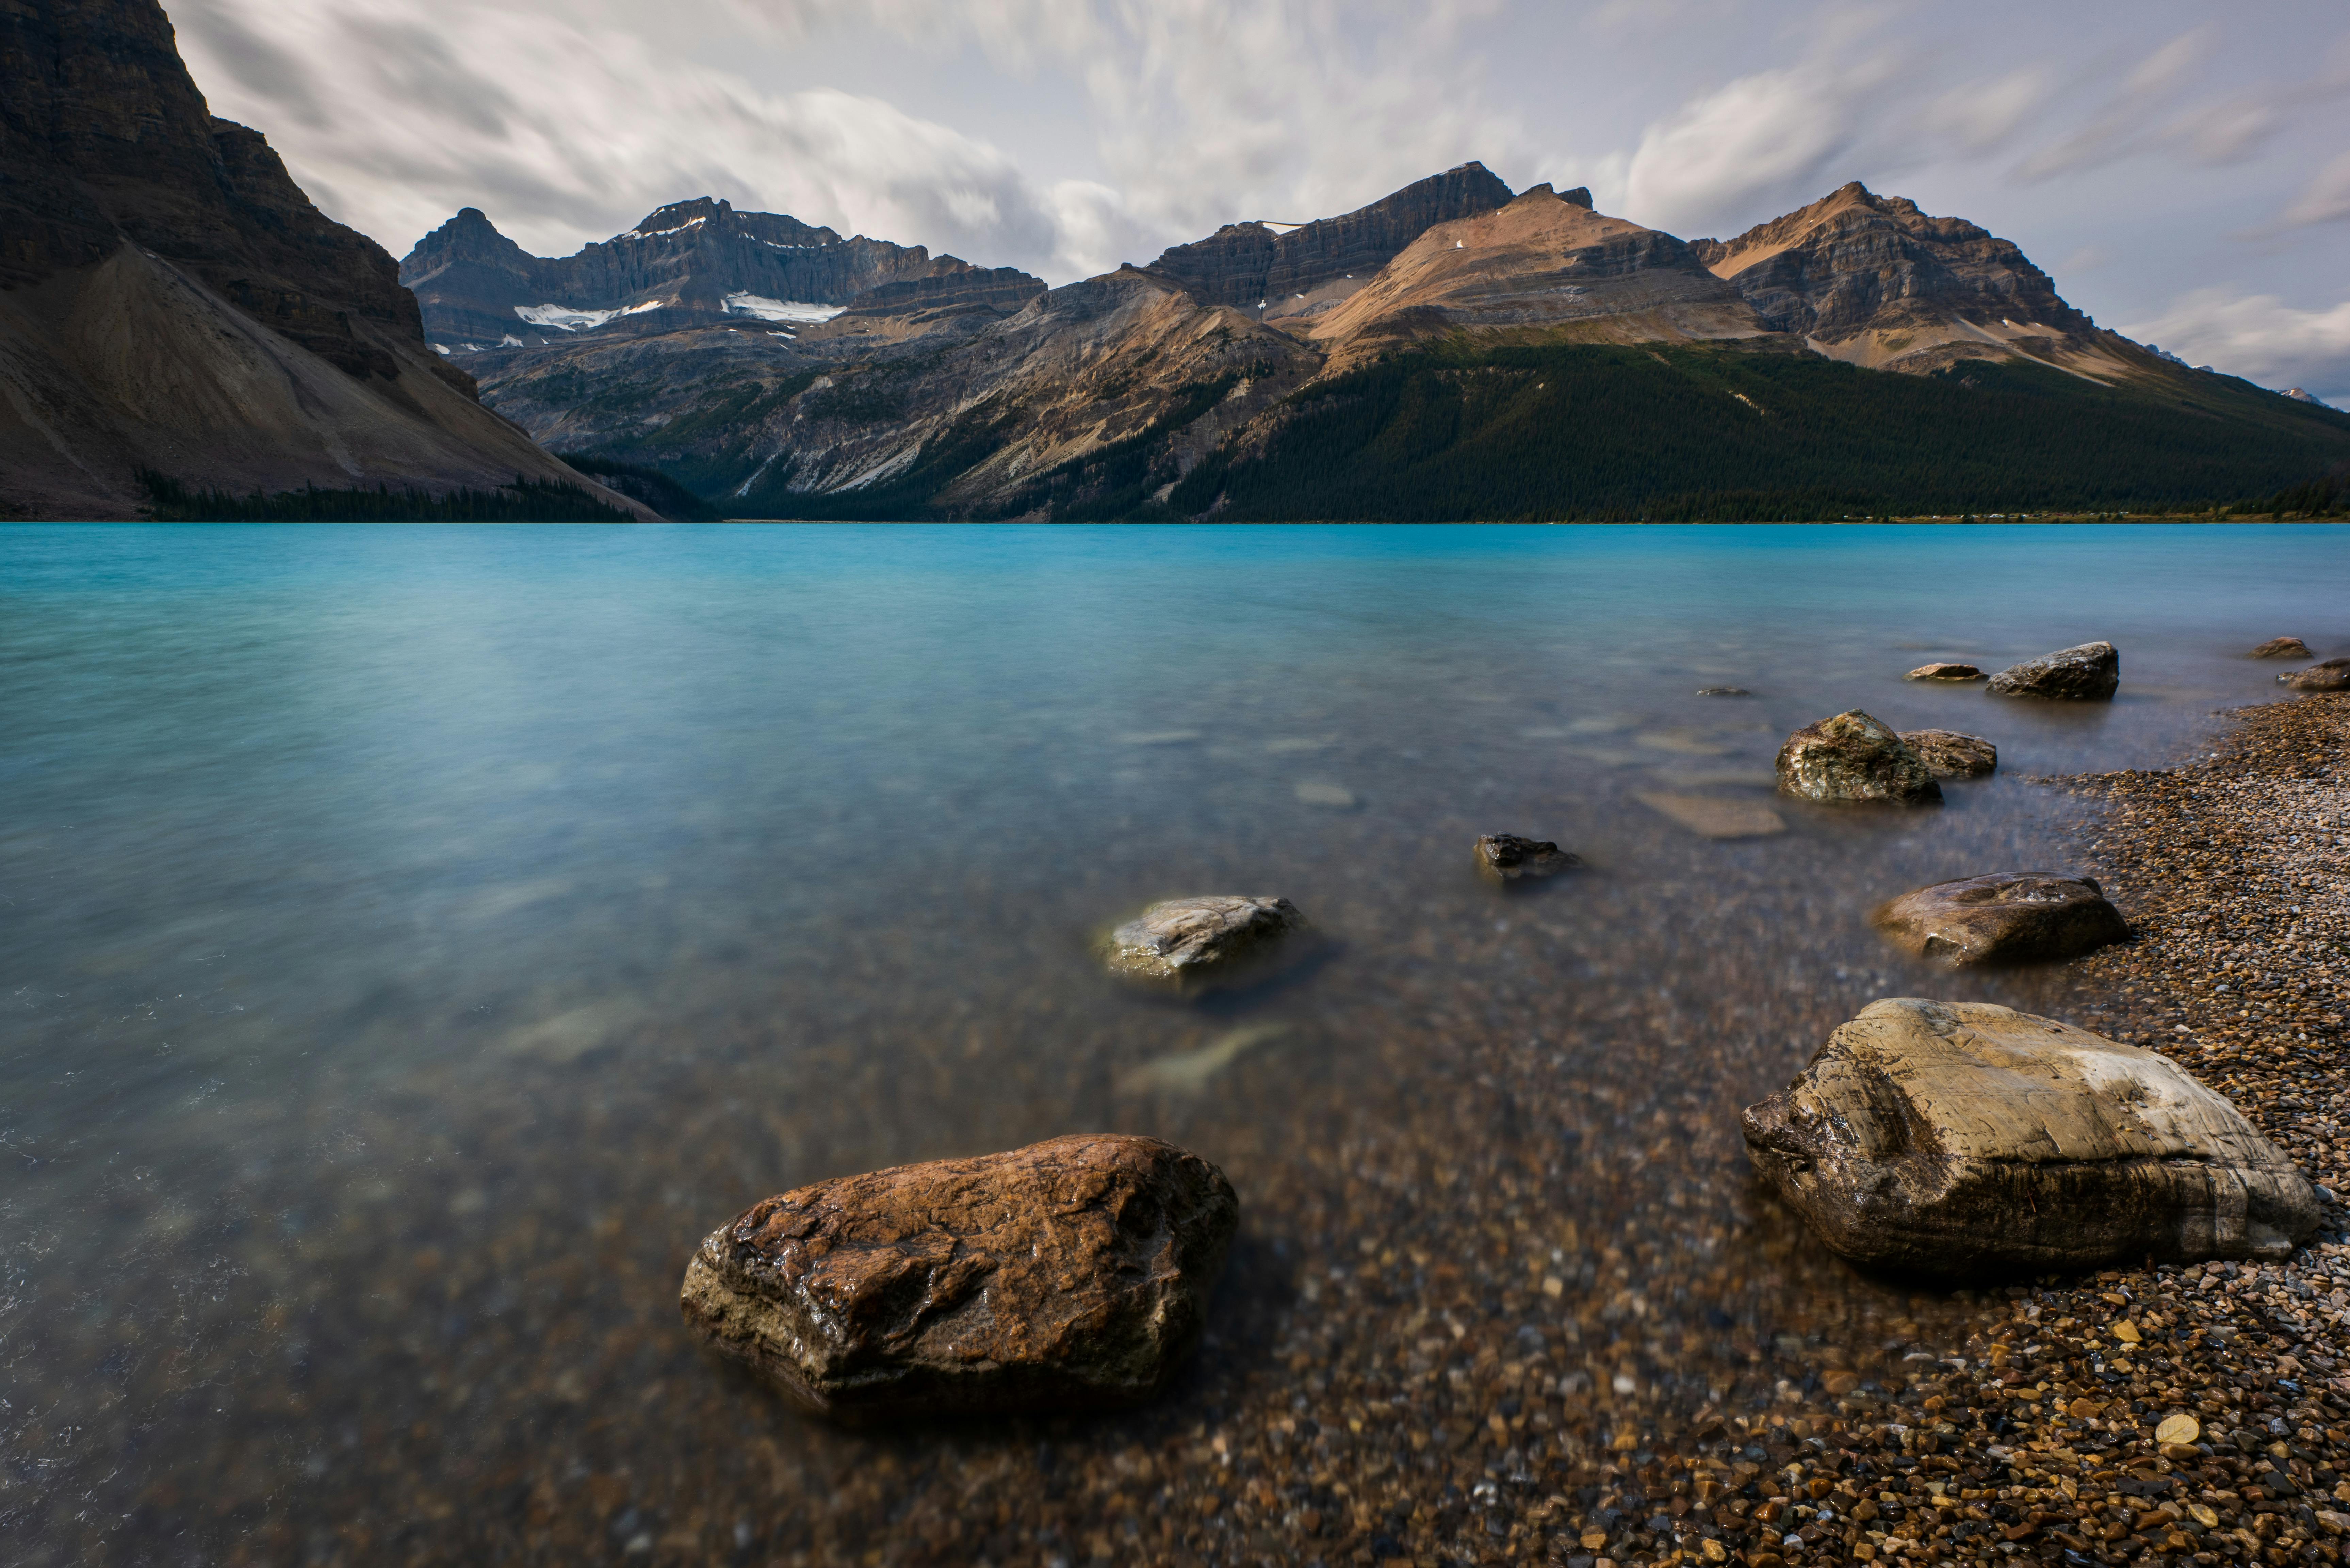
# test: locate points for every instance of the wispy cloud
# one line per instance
(2258, 336)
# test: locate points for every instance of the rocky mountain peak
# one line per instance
(1255, 264)
(1877, 280)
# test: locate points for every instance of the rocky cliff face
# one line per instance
(169, 300)
(1876, 280)
(688, 264)
(1250, 265)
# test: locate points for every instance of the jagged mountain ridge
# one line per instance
(1160, 390)
(171, 302)
(690, 263)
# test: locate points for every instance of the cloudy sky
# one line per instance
(2182, 169)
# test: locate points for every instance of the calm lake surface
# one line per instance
(415, 940)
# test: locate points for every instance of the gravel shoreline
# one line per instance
(2161, 1415)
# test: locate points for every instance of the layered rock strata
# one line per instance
(1969, 1141)
(1067, 1276)
(173, 303)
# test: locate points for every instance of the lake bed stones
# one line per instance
(1189, 944)
(2334, 675)
(2090, 672)
(1950, 756)
(1944, 670)
(1963, 1140)
(1070, 1275)
(1506, 857)
(1853, 757)
(2281, 647)
(2007, 916)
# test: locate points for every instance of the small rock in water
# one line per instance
(2334, 675)
(1715, 817)
(1967, 1140)
(1944, 672)
(1853, 757)
(2008, 917)
(1723, 691)
(1950, 756)
(2088, 673)
(1192, 942)
(1188, 1072)
(1335, 796)
(1506, 857)
(2281, 647)
(1069, 1275)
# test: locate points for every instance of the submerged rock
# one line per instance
(1853, 757)
(1192, 942)
(1723, 691)
(1069, 1275)
(1966, 1140)
(2281, 647)
(1950, 756)
(1944, 672)
(2088, 673)
(2009, 917)
(1506, 857)
(2334, 675)
(1714, 816)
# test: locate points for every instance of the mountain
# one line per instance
(1260, 266)
(171, 303)
(690, 263)
(1873, 280)
(1453, 350)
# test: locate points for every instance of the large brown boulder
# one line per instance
(1950, 756)
(2089, 673)
(2334, 675)
(2009, 917)
(1506, 857)
(1188, 944)
(1853, 757)
(2281, 647)
(1966, 1141)
(1069, 1275)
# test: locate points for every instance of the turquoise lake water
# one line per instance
(415, 939)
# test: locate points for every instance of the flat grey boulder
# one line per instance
(2089, 673)
(1189, 943)
(1506, 857)
(2334, 675)
(1944, 670)
(2281, 647)
(1070, 1275)
(1853, 757)
(1968, 1141)
(2009, 917)
(1950, 756)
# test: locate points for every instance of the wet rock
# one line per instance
(2334, 675)
(2009, 917)
(1069, 1275)
(2088, 673)
(1853, 757)
(1723, 691)
(1967, 1140)
(1950, 756)
(1944, 672)
(1506, 857)
(1192, 942)
(2281, 647)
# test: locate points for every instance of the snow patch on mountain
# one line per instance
(765, 309)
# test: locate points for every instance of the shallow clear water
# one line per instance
(414, 941)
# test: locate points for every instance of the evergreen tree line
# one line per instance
(525, 500)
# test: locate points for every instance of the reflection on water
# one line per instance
(416, 940)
